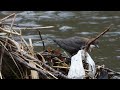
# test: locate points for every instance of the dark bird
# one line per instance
(73, 44)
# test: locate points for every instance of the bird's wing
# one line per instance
(65, 44)
(77, 42)
(71, 45)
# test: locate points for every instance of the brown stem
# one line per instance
(7, 17)
(98, 36)
(42, 40)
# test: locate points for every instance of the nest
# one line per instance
(18, 60)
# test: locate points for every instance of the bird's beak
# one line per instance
(93, 46)
(97, 46)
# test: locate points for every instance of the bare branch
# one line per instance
(7, 17)
(98, 36)
(42, 40)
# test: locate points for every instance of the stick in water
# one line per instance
(42, 40)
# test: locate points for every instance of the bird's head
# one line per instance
(93, 45)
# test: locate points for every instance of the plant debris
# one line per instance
(18, 60)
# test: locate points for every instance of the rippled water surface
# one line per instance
(75, 23)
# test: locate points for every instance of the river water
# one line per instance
(75, 23)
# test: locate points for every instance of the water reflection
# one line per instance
(75, 23)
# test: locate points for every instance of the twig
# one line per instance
(34, 74)
(9, 66)
(45, 65)
(36, 28)
(61, 67)
(12, 24)
(25, 42)
(31, 47)
(16, 56)
(38, 65)
(1, 58)
(7, 17)
(43, 59)
(28, 27)
(52, 55)
(42, 40)
(98, 36)
(2, 54)
(10, 54)
(45, 70)
(6, 31)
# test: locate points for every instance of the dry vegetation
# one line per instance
(18, 60)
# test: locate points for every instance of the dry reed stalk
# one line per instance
(46, 66)
(9, 32)
(60, 67)
(34, 74)
(12, 25)
(34, 28)
(39, 65)
(22, 39)
(45, 70)
(7, 17)
(17, 57)
(42, 40)
(31, 47)
(5, 48)
(1, 57)
(43, 59)
(12, 22)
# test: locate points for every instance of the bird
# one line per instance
(73, 44)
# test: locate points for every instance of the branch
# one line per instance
(7, 17)
(98, 36)
(42, 40)
(9, 32)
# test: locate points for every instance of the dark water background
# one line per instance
(75, 23)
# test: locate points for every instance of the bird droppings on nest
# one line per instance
(20, 61)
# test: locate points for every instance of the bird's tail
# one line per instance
(52, 40)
